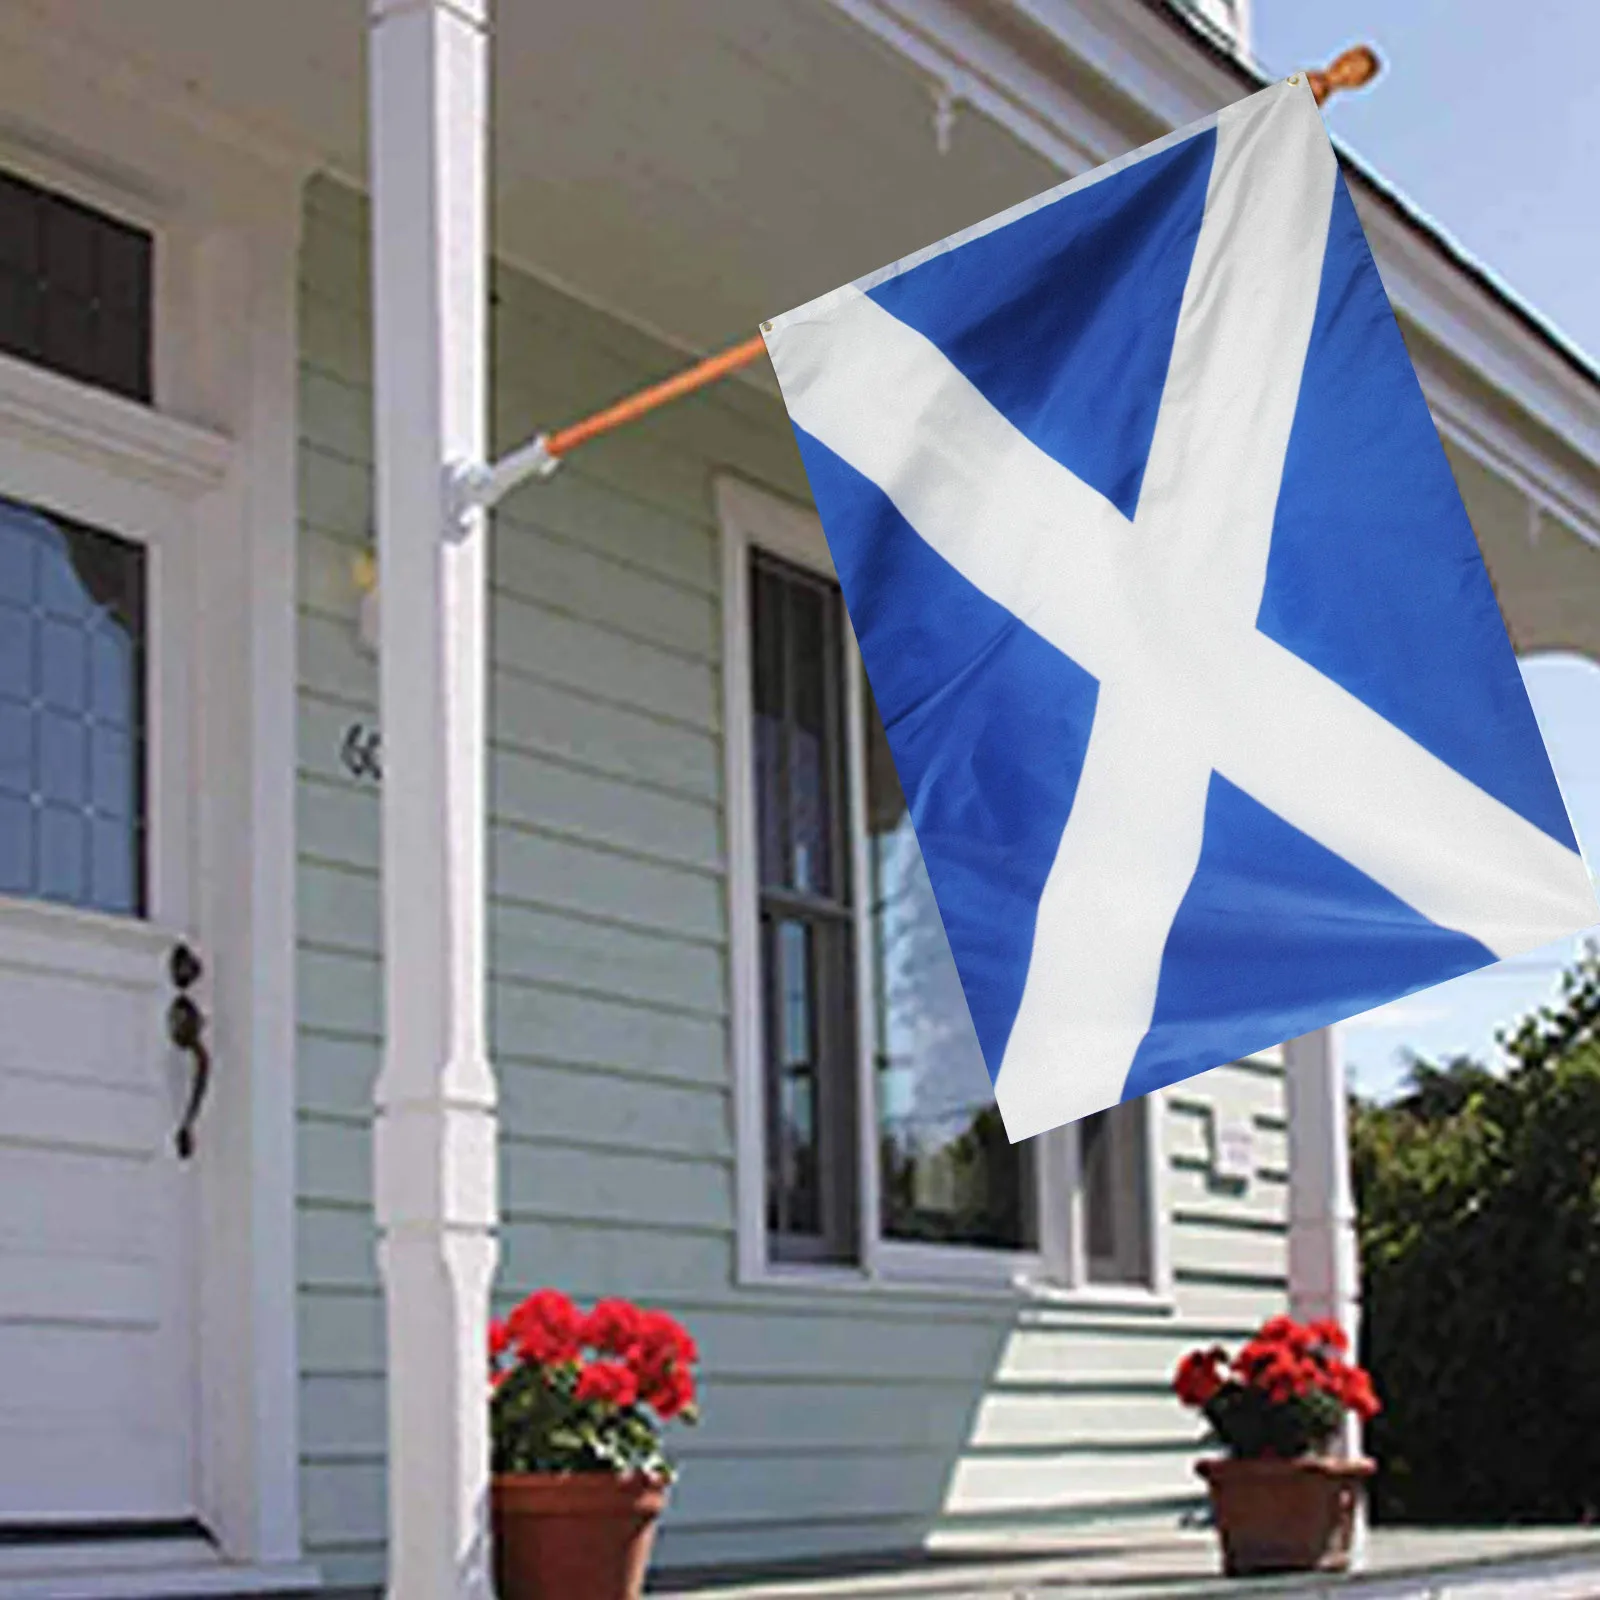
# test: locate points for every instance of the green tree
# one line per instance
(1479, 1202)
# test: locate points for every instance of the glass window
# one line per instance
(806, 914)
(72, 713)
(1114, 1185)
(75, 289)
(948, 1173)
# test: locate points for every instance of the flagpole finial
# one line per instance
(1350, 69)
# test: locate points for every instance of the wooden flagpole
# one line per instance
(647, 400)
(1348, 70)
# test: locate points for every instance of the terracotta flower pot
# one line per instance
(573, 1536)
(1284, 1516)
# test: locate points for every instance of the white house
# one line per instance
(715, 1080)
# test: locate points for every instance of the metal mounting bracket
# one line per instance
(481, 486)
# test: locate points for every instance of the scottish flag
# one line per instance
(1206, 717)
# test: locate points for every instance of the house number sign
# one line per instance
(1233, 1149)
(361, 751)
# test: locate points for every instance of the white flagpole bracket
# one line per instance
(483, 485)
(473, 487)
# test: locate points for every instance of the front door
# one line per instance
(97, 1413)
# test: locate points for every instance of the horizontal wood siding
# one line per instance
(835, 1420)
(1229, 1240)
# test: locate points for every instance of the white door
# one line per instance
(97, 1409)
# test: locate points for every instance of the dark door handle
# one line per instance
(186, 1026)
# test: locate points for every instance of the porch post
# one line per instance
(1324, 1261)
(434, 1135)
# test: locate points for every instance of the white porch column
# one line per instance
(1324, 1260)
(1324, 1271)
(434, 1140)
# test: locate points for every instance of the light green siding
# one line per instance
(834, 1420)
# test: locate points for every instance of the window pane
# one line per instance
(16, 648)
(792, 1170)
(1113, 1182)
(16, 574)
(71, 712)
(20, 315)
(1099, 1194)
(114, 773)
(19, 239)
(948, 1171)
(799, 716)
(16, 844)
(768, 694)
(16, 748)
(812, 1057)
(114, 863)
(112, 674)
(75, 289)
(63, 757)
(63, 863)
(810, 802)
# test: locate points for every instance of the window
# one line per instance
(868, 1134)
(806, 912)
(72, 712)
(947, 1172)
(1114, 1184)
(75, 289)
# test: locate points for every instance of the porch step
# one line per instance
(113, 1585)
(1400, 1564)
(245, 1594)
(144, 1571)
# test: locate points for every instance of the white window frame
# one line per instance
(754, 519)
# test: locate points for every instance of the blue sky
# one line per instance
(1487, 118)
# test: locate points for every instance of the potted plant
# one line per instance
(1281, 1500)
(577, 1401)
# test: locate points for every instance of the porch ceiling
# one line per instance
(693, 165)
(696, 165)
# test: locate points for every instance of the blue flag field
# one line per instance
(1190, 667)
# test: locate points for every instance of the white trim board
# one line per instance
(102, 429)
(1503, 451)
(1024, 75)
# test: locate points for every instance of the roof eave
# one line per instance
(1251, 77)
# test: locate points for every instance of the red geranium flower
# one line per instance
(545, 1328)
(565, 1413)
(1283, 1330)
(611, 1326)
(664, 1383)
(1354, 1388)
(1328, 1332)
(661, 1356)
(1259, 1359)
(608, 1381)
(1273, 1396)
(671, 1394)
(1277, 1374)
(1198, 1379)
(656, 1330)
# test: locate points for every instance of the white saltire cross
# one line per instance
(1161, 611)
